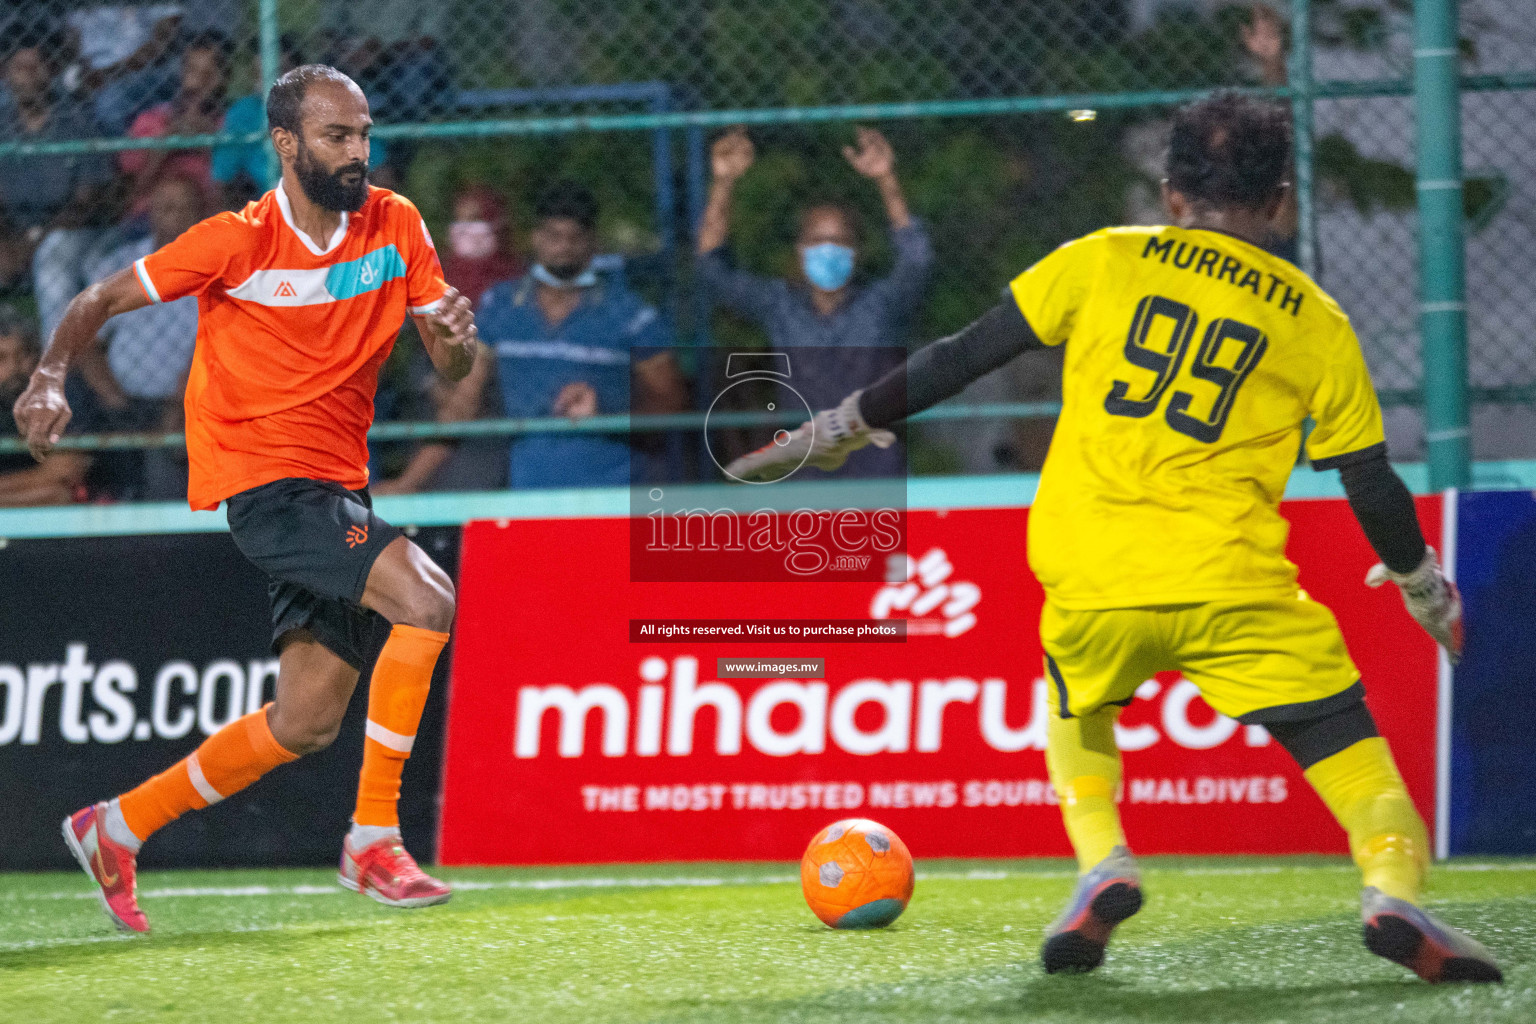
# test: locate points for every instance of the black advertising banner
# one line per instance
(119, 655)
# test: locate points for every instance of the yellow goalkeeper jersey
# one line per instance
(1192, 360)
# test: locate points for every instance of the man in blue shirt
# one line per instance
(849, 332)
(562, 336)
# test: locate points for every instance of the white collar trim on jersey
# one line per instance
(287, 208)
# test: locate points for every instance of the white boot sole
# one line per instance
(378, 897)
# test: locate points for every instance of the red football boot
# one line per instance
(1104, 897)
(1405, 934)
(110, 865)
(385, 872)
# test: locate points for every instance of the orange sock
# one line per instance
(397, 693)
(228, 761)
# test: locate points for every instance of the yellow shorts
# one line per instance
(1272, 659)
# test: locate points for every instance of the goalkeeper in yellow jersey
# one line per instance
(1193, 357)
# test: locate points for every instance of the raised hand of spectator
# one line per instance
(577, 400)
(876, 160)
(729, 159)
(874, 157)
(732, 154)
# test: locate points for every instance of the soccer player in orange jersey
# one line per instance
(300, 297)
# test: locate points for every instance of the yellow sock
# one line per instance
(1361, 786)
(1085, 769)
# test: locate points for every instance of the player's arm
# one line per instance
(42, 412)
(1384, 508)
(930, 375)
(449, 334)
(1038, 309)
(946, 367)
(1349, 438)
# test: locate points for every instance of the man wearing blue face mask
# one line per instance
(822, 308)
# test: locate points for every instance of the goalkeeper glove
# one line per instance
(1430, 598)
(824, 442)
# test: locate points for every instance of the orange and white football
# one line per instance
(856, 874)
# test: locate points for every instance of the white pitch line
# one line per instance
(527, 884)
(465, 885)
(687, 881)
(81, 940)
(30, 944)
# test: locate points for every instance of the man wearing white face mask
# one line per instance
(563, 337)
(478, 255)
(822, 308)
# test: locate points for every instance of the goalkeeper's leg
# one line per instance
(1085, 769)
(1352, 769)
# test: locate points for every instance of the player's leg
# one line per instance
(1094, 662)
(1283, 664)
(1085, 770)
(1352, 769)
(410, 591)
(313, 688)
(339, 567)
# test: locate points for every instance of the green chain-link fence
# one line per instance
(1015, 127)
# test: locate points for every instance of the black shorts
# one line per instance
(318, 542)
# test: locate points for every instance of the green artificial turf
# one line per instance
(1219, 941)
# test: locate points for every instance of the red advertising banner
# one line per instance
(589, 720)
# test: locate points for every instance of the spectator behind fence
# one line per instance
(478, 257)
(51, 204)
(126, 58)
(563, 337)
(60, 479)
(479, 253)
(139, 384)
(1263, 36)
(468, 464)
(196, 109)
(393, 50)
(822, 307)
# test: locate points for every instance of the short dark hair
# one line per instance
(15, 325)
(1230, 150)
(46, 35)
(567, 199)
(222, 46)
(287, 94)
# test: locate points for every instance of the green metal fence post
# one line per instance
(1442, 270)
(268, 41)
(1300, 74)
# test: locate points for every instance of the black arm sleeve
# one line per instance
(943, 369)
(1385, 510)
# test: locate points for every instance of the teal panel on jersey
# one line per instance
(365, 274)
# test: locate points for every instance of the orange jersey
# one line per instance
(290, 336)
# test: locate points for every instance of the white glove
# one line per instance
(824, 442)
(1430, 598)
